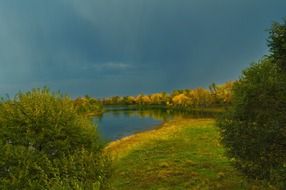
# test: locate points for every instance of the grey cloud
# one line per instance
(105, 47)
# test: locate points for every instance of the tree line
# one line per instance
(89, 106)
(215, 96)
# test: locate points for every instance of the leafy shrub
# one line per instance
(88, 106)
(46, 144)
(254, 128)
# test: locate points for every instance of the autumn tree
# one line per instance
(88, 106)
(221, 94)
(180, 100)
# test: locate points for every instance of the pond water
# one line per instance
(118, 122)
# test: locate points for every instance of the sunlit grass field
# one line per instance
(181, 154)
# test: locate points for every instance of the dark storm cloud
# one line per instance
(109, 47)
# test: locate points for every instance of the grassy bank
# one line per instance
(182, 154)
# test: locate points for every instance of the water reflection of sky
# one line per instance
(123, 121)
(114, 125)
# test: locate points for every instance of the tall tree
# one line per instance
(254, 128)
(277, 43)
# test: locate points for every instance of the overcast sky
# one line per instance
(126, 47)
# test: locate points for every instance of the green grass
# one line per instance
(182, 154)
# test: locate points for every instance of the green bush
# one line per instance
(46, 144)
(254, 128)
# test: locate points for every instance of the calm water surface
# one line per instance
(119, 122)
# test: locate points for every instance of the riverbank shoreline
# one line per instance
(140, 138)
(180, 154)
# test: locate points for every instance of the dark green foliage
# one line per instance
(277, 43)
(46, 144)
(254, 129)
